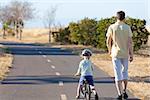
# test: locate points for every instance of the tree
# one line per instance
(140, 34)
(88, 31)
(49, 18)
(74, 33)
(91, 32)
(83, 32)
(5, 18)
(16, 12)
(102, 27)
(64, 35)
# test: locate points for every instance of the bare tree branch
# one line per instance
(15, 13)
(49, 19)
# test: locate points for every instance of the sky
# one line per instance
(75, 10)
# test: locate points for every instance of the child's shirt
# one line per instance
(85, 68)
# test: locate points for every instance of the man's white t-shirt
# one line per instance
(120, 33)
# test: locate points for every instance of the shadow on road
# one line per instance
(49, 79)
(39, 51)
(19, 44)
(53, 79)
(35, 49)
(109, 98)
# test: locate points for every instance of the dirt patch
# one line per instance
(5, 63)
(30, 36)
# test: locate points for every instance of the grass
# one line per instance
(5, 63)
(31, 36)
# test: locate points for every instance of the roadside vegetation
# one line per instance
(5, 62)
(36, 35)
(12, 17)
(93, 32)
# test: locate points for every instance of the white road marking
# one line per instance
(61, 83)
(52, 66)
(63, 97)
(49, 60)
(57, 73)
(44, 56)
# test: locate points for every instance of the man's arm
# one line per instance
(109, 39)
(109, 44)
(130, 49)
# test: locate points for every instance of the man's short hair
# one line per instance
(121, 15)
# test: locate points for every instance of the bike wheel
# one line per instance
(88, 92)
(83, 91)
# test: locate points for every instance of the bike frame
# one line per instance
(86, 90)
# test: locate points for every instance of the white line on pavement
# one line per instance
(44, 56)
(61, 83)
(49, 60)
(57, 73)
(52, 66)
(63, 97)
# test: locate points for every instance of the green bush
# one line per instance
(64, 36)
(140, 34)
(91, 32)
(103, 25)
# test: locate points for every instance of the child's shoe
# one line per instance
(96, 97)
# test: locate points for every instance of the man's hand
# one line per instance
(109, 43)
(130, 49)
(109, 52)
(131, 58)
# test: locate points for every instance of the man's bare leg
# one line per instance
(125, 83)
(119, 87)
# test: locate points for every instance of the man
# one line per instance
(119, 43)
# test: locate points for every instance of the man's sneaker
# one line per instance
(125, 96)
(96, 96)
(119, 97)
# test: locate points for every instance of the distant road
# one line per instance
(45, 73)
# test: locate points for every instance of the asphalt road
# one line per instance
(44, 73)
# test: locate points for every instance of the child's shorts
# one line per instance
(89, 79)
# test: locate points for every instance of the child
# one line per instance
(86, 71)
